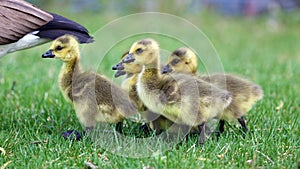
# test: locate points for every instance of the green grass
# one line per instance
(33, 113)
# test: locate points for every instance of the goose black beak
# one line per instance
(166, 69)
(48, 54)
(119, 73)
(118, 66)
(129, 58)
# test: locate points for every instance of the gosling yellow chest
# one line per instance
(150, 97)
(65, 84)
(150, 94)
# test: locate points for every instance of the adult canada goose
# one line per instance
(244, 92)
(95, 98)
(181, 98)
(22, 25)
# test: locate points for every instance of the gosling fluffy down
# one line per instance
(244, 92)
(95, 98)
(156, 122)
(131, 70)
(182, 98)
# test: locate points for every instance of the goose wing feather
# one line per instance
(18, 18)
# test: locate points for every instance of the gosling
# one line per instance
(244, 92)
(183, 99)
(95, 98)
(131, 70)
(156, 123)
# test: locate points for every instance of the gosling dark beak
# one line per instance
(118, 66)
(129, 58)
(119, 73)
(48, 54)
(166, 69)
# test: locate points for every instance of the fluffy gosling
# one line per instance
(182, 98)
(95, 98)
(244, 92)
(131, 70)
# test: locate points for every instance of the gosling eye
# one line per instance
(175, 61)
(58, 48)
(139, 51)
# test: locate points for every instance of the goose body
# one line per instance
(22, 25)
(244, 92)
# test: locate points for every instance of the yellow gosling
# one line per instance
(95, 98)
(181, 98)
(244, 92)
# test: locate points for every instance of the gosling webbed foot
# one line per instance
(72, 135)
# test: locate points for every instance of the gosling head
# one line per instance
(120, 69)
(131, 67)
(64, 48)
(143, 52)
(120, 73)
(182, 60)
(120, 66)
(126, 68)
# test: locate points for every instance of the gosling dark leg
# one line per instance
(221, 126)
(119, 127)
(184, 130)
(146, 129)
(243, 124)
(156, 128)
(201, 129)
